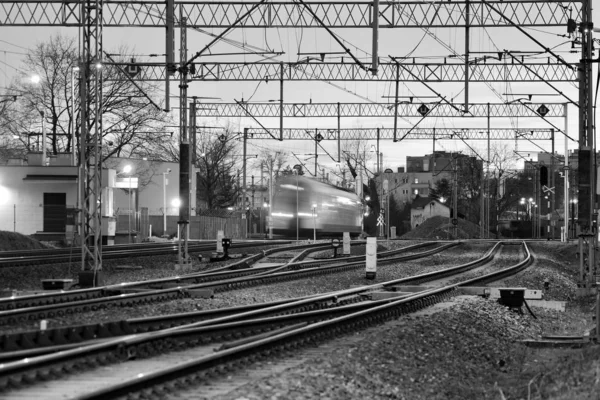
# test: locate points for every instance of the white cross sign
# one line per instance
(547, 189)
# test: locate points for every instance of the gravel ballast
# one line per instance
(467, 348)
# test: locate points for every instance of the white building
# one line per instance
(423, 208)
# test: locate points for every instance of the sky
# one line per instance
(414, 42)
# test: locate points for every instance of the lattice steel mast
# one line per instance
(587, 218)
(91, 136)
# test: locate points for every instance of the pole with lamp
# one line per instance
(573, 202)
(73, 152)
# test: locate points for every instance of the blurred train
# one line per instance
(301, 205)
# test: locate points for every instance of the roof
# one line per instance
(421, 202)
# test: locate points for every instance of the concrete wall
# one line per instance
(21, 200)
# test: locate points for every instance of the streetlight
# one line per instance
(522, 202)
(165, 183)
(314, 212)
(573, 229)
(73, 151)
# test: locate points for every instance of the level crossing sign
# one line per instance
(380, 220)
(547, 189)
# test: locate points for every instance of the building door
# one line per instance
(55, 212)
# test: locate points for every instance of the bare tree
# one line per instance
(129, 118)
(216, 179)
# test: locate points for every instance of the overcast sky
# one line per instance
(395, 42)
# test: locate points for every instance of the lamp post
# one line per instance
(73, 158)
(530, 204)
(314, 213)
(573, 228)
(164, 174)
(522, 202)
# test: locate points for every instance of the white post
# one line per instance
(371, 258)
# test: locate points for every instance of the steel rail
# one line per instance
(15, 302)
(155, 383)
(143, 297)
(62, 335)
(14, 259)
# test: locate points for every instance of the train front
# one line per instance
(303, 207)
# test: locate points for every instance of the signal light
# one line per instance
(544, 176)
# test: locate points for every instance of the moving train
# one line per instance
(304, 205)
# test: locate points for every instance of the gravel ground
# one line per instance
(470, 350)
(284, 290)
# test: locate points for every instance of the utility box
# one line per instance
(393, 232)
(512, 298)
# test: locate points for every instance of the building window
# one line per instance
(416, 191)
(416, 180)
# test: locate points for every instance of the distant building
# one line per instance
(421, 175)
(423, 208)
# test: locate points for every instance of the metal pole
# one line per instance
(244, 179)
(281, 101)
(487, 176)
(552, 200)
(73, 158)
(43, 138)
(129, 214)
(380, 181)
(270, 201)
(566, 176)
(467, 38)
(165, 203)
(316, 154)
(297, 231)
(375, 24)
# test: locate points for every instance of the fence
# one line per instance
(29, 219)
(201, 227)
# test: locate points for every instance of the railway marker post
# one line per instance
(220, 236)
(346, 244)
(371, 264)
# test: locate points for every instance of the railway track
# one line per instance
(251, 337)
(21, 343)
(52, 256)
(130, 294)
